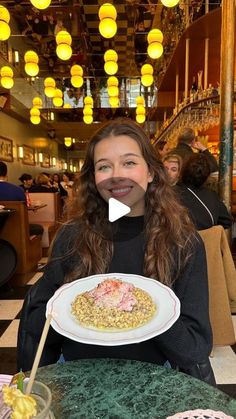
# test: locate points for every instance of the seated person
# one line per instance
(172, 163)
(204, 205)
(119, 154)
(42, 184)
(162, 149)
(26, 181)
(11, 192)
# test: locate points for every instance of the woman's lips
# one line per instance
(120, 192)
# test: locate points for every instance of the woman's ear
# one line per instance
(150, 175)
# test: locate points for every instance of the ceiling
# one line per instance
(35, 29)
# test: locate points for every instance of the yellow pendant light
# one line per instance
(87, 111)
(76, 72)
(49, 86)
(34, 111)
(5, 30)
(147, 75)
(114, 102)
(112, 81)
(57, 99)
(170, 3)
(63, 49)
(110, 55)
(6, 74)
(107, 15)
(88, 101)
(35, 120)
(37, 102)
(67, 141)
(110, 67)
(67, 106)
(139, 100)
(41, 4)
(31, 63)
(155, 35)
(88, 119)
(113, 91)
(155, 50)
(140, 110)
(140, 119)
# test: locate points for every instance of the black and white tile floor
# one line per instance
(11, 300)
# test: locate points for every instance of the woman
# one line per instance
(156, 240)
(66, 185)
(42, 184)
(172, 164)
(204, 205)
(162, 149)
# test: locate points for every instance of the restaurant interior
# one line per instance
(57, 90)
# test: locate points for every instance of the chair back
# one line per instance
(222, 284)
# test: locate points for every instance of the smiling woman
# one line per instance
(121, 162)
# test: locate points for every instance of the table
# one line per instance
(36, 207)
(4, 213)
(121, 389)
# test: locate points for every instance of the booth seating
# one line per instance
(47, 216)
(28, 248)
(222, 284)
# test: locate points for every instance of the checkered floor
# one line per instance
(11, 300)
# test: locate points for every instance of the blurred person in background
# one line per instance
(26, 181)
(173, 165)
(162, 149)
(42, 184)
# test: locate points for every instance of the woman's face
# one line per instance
(121, 172)
(172, 169)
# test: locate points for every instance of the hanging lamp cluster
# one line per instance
(77, 72)
(35, 115)
(140, 110)
(5, 30)
(49, 87)
(107, 14)
(6, 79)
(31, 63)
(147, 75)
(37, 102)
(58, 98)
(63, 49)
(113, 91)
(111, 58)
(155, 47)
(88, 110)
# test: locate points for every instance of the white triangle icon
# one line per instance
(116, 209)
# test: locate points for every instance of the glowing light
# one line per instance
(88, 119)
(87, 111)
(34, 111)
(147, 75)
(5, 30)
(37, 102)
(108, 28)
(107, 10)
(6, 74)
(170, 3)
(140, 100)
(155, 50)
(110, 55)
(77, 81)
(110, 67)
(112, 81)
(76, 70)
(113, 91)
(41, 4)
(67, 141)
(114, 102)
(155, 35)
(63, 49)
(88, 101)
(140, 119)
(31, 66)
(57, 99)
(49, 84)
(140, 110)
(35, 120)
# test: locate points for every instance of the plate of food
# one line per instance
(113, 309)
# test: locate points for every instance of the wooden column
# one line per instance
(206, 63)
(206, 6)
(226, 100)
(176, 90)
(186, 68)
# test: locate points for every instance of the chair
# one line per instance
(28, 248)
(48, 216)
(222, 284)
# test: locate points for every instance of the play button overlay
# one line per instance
(116, 209)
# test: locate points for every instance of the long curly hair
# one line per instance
(168, 229)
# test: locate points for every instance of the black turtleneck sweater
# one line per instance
(186, 343)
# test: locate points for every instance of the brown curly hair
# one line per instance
(168, 229)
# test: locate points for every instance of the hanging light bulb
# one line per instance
(76, 72)
(5, 30)
(114, 102)
(140, 100)
(41, 4)
(67, 141)
(67, 106)
(170, 3)
(107, 15)
(57, 99)
(113, 91)
(140, 110)
(140, 119)
(88, 119)
(87, 111)
(88, 101)
(6, 74)
(110, 55)
(31, 63)
(35, 120)
(147, 75)
(155, 50)
(34, 111)
(112, 81)
(155, 35)
(110, 58)
(49, 86)
(63, 49)
(37, 102)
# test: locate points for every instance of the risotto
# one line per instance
(113, 305)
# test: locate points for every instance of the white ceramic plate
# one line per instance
(168, 311)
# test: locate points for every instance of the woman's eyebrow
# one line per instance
(100, 160)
